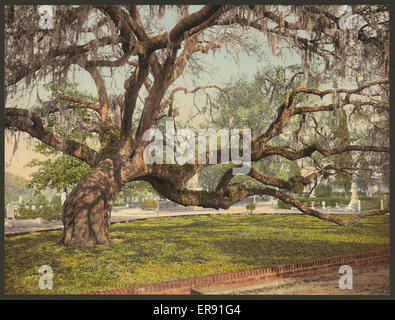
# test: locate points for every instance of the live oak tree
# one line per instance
(103, 39)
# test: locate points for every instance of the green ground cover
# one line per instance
(150, 251)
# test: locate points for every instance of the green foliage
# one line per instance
(157, 250)
(293, 171)
(66, 123)
(46, 212)
(251, 207)
(149, 204)
(60, 171)
(109, 142)
(323, 190)
(254, 104)
(56, 201)
(367, 203)
(209, 177)
(136, 190)
(14, 187)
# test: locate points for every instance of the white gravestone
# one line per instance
(10, 211)
(323, 205)
(381, 204)
(353, 205)
(63, 196)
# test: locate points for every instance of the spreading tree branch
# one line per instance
(29, 122)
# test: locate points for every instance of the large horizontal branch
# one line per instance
(187, 26)
(313, 212)
(29, 122)
(258, 154)
(292, 182)
(19, 71)
(181, 174)
(322, 93)
(333, 106)
(77, 103)
(305, 43)
(238, 192)
(194, 21)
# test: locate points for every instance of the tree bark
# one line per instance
(87, 210)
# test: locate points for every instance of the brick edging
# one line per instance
(294, 269)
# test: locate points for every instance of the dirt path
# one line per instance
(369, 281)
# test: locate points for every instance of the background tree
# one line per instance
(14, 187)
(100, 39)
(137, 191)
(342, 138)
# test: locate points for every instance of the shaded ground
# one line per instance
(369, 281)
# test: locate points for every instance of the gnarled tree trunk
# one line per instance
(87, 210)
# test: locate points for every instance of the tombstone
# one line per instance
(20, 200)
(39, 220)
(63, 196)
(33, 207)
(323, 205)
(353, 205)
(359, 205)
(381, 204)
(312, 204)
(10, 211)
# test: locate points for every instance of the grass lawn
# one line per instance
(165, 249)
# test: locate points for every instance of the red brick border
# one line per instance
(294, 269)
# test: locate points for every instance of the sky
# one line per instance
(222, 69)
